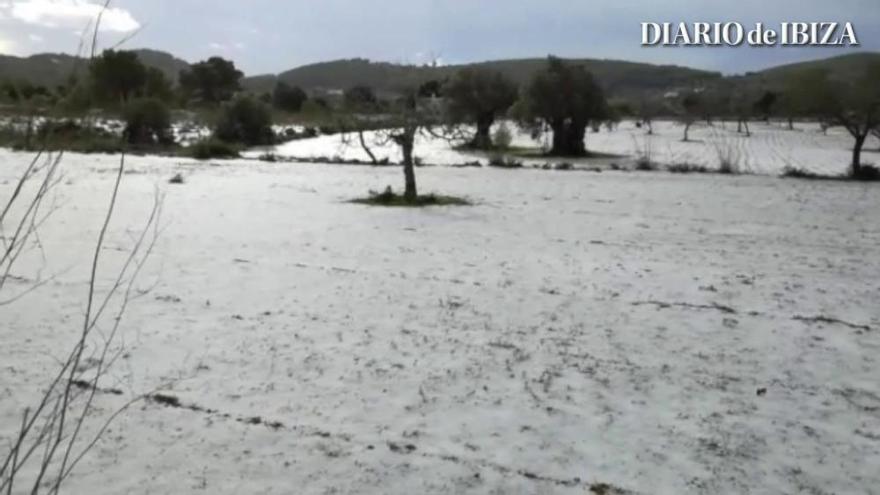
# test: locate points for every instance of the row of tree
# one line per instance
(815, 94)
(562, 99)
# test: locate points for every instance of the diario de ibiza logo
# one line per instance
(737, 34)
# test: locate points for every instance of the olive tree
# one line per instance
(117, 75)
(852, 103)
(211, 81)
(148, 121)
(400, 123)
(690, 110)
(566, 98)
(245, 120)
(288, 98)
(478, 97)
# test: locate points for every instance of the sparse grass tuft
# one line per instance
(799, 173)
(390, 198)
(687, 168)
(177, 179)
(605, 489)
(645, 164)
(868, 173)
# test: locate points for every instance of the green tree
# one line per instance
(566, 99)
(147, 121)
(431, 89)
(211, 81)
(157, 85)
(288, 98)
(117, 76)
(478, 97)
(360, 98)
(766, 105)
(245, 120)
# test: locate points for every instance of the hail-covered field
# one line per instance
(657, 332)
(770, 149)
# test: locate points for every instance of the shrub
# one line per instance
(247, 121)
(687, 168)
(868, 173)
(148, 121)
(288, 98)
(389, 198)
(799, 173)
(644, 154)
(728, 157)
(177, 179)
(328, 130)
(68, 135)
(212, 148)
(645, 164)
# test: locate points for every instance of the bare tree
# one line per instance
(647, 112)
(405, 119)
(852, 103)
(742, 108)
(689, 112)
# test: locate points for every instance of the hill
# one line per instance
(618, 77)
(53, 69)
(843, 67)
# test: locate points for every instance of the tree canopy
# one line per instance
(245, 120)
(211, 81)
(478, 97)
(117, 76)
(565, 98)
(288, 98)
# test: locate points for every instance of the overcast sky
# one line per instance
(274, 35)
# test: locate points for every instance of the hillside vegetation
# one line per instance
(618, 77)
(54, 69)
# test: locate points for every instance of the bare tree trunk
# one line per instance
(857, 155)
(687, 129)
(366, 147)
(409, 174)
(568, 139)
(576, 136)
(483, 138)
(748, 131)
(791, 123)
